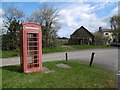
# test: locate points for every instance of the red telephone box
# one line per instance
(31, 48)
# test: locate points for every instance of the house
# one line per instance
(108, 34)
(81, 36)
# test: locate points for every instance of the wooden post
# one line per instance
(92, 57)
(66, 55)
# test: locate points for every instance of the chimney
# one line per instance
(100, 29)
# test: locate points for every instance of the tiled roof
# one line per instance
(106, 30)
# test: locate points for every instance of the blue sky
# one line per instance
(72, 15)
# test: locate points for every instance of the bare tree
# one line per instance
(47, 17)
(12, 13)
(115, 26)
(12, 22)
(98, 38)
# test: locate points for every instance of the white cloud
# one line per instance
(100, 5)
(1, 25)
(1, 20)
(83, 15)
(115, 11)
(1, 12)
(106, 19)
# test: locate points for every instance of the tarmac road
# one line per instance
(107, 58)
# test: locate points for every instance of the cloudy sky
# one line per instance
(73, 15)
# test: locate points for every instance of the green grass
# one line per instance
(81, 47)
(0, 79)
(80, 75)
(7, 54)
(58, 49)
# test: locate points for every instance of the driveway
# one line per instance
(107, 58)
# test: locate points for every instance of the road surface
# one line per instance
(107, 58)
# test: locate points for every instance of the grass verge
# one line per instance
(80, 75)
(81, 47)
(7, 54)
(57, 49)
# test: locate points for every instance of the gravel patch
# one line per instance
(47, 70)
(61, 65)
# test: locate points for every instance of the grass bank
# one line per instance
(58, 49)
(81, 47)
(7, 54)
(80, 75)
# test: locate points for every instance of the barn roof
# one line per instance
(82, 32)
